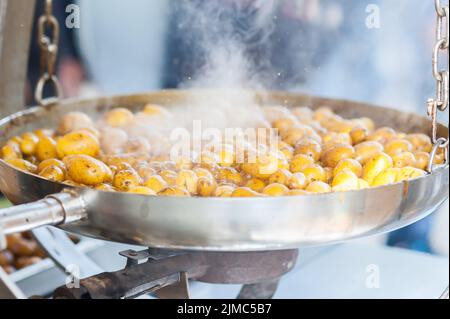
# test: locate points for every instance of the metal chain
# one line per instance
(441, 100)
(48, 44)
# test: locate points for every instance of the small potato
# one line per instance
(23, 262)
(323, 114)
(256, 184)
(422, 159)
(113, 140)
(46, 148)
(22, 165)
(297, 133)
(224, 191)
(297, 192)
(404, 159)
(206, 186)
(6, 258)
(376, 166)
(41, 133)
(78, 143)
(86, 170)
(331, 139)
(315, 173)
(169, 176)
(154, 110)
(367, 123)
(318, 187)
(244, 192)
(387, 177)
(174, 191)
(119, 117)
(297, 181)
(359, 134)
(382, 135)
(264, 166)
(23, 247)
(203, 173)
(105, 187)
(286, 149)
(285, 123)
(126, 180)
(337, 153)
(309, 147)
(366, 150)
(156, 183)
(300, 162)
(275, 189)
(226, 156)
(282, 176)
(345, 180)
(145, 171)
(349, 164)
(51, 162)
(188, 179)
(137, 145)
(398, 146)
(74, 121)
(209, 160)
(142, 190)
(420, 142)
(11, 151)
(409, 173)
(53, 174)
(229, 175)
(29, 144)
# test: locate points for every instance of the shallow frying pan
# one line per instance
(216, 224)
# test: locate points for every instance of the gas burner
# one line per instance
(166, 274)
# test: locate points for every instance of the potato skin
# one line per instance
(78, 143)
(86, 170)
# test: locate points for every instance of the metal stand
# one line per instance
(166, 274)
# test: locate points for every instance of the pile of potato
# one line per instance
(317, 152)
(22, 251)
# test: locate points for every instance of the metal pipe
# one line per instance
(65, 207)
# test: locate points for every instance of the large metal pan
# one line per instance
(217, 224)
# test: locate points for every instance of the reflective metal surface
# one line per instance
(234, 224)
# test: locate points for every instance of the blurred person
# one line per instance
(320, 47)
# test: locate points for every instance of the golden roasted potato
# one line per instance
(349, 164)
(264, 166)
(78, 143)
(53, 174)
(126, 180)
(398, 146)
(309, 147)
(142, 190)
(22, 165)
(46, 148)
(275, 189)
(300, 162)
(156, 183)
(119, 117)
(256, 184)
(282, 176)
(375, 166)
(359, 134)
(74, 121)
(188, 179)
(244, 192)
(367, 150)
(28, 144)
(420, 142)
(315, 173)
(334, 155)
(422, 160)
(409, 173)
(86, 170)
(174, 191)
(345, 180)
(404, 159)
(318, 187)
(11, 151)
(224, 191)
(206, 186)
(382, 135)
(154, 110)
(387, 177)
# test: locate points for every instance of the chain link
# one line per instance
(441, 100)
(48, 44)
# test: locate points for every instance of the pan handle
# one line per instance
(57, 209)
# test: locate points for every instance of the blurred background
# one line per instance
(377, 51)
